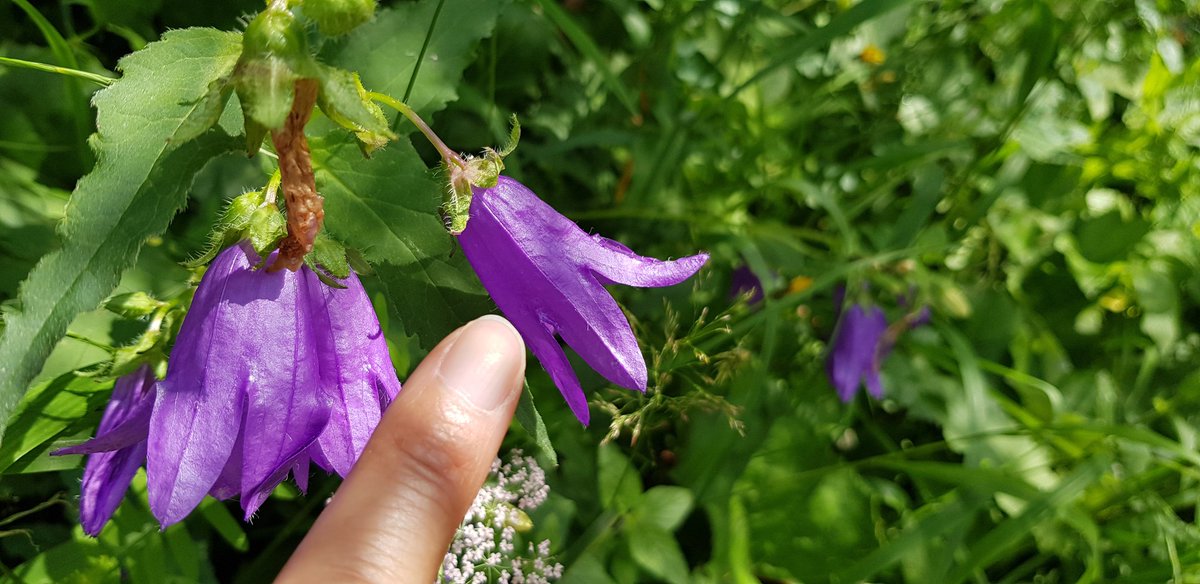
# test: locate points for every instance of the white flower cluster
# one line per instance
(485, 547)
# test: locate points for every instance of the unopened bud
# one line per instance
(338, 17)
(274, 33)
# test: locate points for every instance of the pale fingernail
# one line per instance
(485, 362)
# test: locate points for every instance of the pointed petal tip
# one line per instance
(92, 524)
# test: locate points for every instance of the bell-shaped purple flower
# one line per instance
(117, 451)
(855, 355)
(743, 281)
(548, 276)
(270, 370)
(862, 341)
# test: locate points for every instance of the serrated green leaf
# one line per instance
(47, 411)
(138, 184)
(384, 51)
(205, 112)
(527, 415)
(386, 206)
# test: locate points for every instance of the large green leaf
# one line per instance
(47, 412)
(138, 184)
(658, 552)
(385, 51)
(75, 561)
(432, 297)
(387, 208)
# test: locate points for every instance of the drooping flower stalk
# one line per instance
(305, 208)
(448, 155)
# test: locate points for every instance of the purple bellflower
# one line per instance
(548, 276)
(862, 340)
(743, 281)
(117, 451)
(854, 358)
(271, 371)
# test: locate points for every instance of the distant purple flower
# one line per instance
(861, 342)
(117, 451)
(548, 276)
(854, 358)
(744, 281)
(269, 372)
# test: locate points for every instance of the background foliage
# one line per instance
(1027, 169)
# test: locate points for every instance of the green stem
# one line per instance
(90, 342)
(412, 81)
(94, 78)
(448, 155)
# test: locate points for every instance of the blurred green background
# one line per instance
(1029, 170)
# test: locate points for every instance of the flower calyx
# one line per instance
(470, 172)
(252, 216)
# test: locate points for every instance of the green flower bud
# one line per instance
(274, 55)
(275, 33)
(133, 304)
(338, 17)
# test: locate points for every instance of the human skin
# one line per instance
(395, 515)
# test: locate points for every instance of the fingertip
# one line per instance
(485, 363)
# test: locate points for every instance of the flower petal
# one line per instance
(613, 263)
(854, 345)
(126, 419)
(198, 410)
(300, 473)
(122, 437)
(554, 361)
(286, 410)
(356, 369)
(229, 482)
(106, 477)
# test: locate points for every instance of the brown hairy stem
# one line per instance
(305, 208)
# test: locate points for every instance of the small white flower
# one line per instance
(484, 547)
